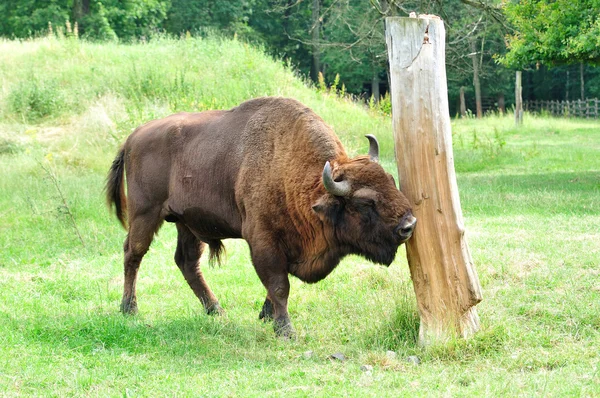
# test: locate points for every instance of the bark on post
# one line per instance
(444, 279)
(518, 99)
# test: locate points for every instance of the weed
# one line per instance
(32, 100)
(64, 207)
(10, 146)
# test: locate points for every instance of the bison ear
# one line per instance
(326, 207)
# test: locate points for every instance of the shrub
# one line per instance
(33, 100)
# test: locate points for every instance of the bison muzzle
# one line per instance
(269, 171)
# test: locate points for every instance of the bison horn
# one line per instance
(341, 188)
(373, 147)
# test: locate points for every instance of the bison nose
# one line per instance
(406, 227)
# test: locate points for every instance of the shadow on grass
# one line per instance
(187, 337)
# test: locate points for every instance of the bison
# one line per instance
(269, 171)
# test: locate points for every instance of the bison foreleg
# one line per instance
(271, 268)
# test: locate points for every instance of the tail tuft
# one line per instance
(115, 189)
(216, 251)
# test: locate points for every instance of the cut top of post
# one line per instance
(418, 33)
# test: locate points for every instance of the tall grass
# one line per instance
(530, 195)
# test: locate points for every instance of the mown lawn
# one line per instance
(530, 196)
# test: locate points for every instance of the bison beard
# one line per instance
(269, 171)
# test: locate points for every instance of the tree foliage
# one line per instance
(200, 16)
(553, 32)
(24, 18)
(344, 37)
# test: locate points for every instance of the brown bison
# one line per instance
(269, 171)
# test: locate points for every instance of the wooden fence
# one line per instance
(587, 108)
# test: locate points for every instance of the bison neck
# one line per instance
(315, 266)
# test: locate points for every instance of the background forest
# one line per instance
(555, 43)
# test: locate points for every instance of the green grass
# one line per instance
(530, 196)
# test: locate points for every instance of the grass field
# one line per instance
(530, 196)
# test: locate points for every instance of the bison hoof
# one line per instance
(266, 314)
(129, 307)
(215, 309)
(283, 328)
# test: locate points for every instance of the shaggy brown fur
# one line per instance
(253, 172)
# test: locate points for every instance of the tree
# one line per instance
(109, 19)
(553, 32)
(476, 31)
(200, 16)
(284, 28)
(133, 19)
(354, 45)
(315, 32)
(25, 18)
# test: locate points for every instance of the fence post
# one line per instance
(442, 271)
(586, 110)
(518, 99)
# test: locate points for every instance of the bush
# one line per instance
(33, 100)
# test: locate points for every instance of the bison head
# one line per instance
(368, 215)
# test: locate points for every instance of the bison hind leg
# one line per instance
(187, 257)
(142, 227)
(266, 313)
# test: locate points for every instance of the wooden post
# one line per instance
(375, 86)
(463, 105)
(518, 100)
(476, 83)
(442, 271)
(581, 81)
(316, 35)
(567, 89)
(501, 106)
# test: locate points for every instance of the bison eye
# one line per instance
(365, 202)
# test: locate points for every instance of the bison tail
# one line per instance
(115, 189)
(216, 251)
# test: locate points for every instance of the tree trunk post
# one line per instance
(581, 80)
(518, 99)
(316, 35)
(463, 105)
(442, 271)
(476, 83)
(375, 86)
(567, 86)
(501, 105)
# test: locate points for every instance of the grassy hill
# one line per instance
(531, 198)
